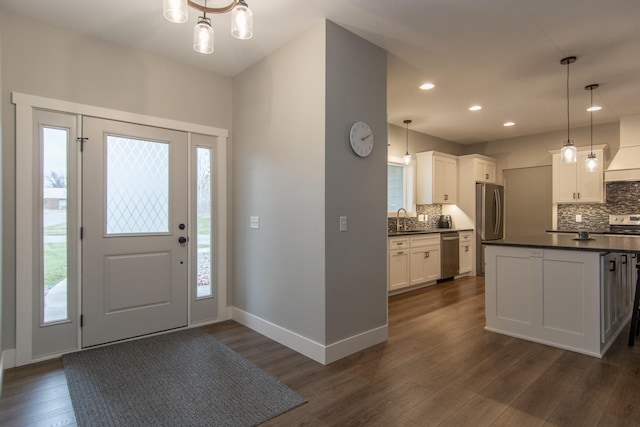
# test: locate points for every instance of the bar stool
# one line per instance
(634, 327)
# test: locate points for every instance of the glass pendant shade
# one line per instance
(203, 36)
(242, 21)
(175, 11)
(592, 162)
(406, 158)
(569, 154)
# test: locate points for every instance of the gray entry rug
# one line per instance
(184, 378)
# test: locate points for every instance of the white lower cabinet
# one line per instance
(413, 260)
(618, 281)
(466, 252)
(425, 259)
(398, 262)
(572, 299)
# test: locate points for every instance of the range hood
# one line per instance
(625, 166)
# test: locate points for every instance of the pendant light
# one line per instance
(203, 34)
(242, 21)
(592, 161)
(407, 157)
(568, 154)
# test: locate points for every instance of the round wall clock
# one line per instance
(361, 139)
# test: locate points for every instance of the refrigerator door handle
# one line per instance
(496, 215)
(498, 212)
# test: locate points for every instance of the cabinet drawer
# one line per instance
(425, 240)
(465, 236)
(398, 243)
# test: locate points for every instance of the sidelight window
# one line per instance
(54, 223)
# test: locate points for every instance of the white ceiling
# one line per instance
(502, 54)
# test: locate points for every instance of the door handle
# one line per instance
(183, 239)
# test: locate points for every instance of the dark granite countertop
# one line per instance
(601, 231)
(598, 243)
(429, 231)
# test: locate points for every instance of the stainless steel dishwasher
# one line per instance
(450, 255)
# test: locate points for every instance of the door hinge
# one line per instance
(81, 232)
(82, 140)
(81, 320)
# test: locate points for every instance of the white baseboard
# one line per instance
(8, 359)
(313, 350)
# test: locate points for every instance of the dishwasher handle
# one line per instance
(447, 238)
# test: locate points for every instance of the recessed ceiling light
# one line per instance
(594, 108)
(475, 108)
(509, 124)
(427, 86)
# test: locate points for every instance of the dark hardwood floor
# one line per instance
(439, 367)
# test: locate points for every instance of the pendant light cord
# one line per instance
(568, 129)
(591, 119)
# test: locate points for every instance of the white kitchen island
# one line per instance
(555, 290)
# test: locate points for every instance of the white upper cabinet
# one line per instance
(437, 178)
(572, 183)
(483, 168)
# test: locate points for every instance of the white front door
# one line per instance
(134, 250)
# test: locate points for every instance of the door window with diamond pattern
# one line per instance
(137, 193)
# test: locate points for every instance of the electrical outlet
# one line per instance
(578, 218)
(421, 217)
(426, 217)
(343, 223)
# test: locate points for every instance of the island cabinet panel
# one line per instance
(545, 295)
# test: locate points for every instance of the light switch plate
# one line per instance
(254, 222)
(343, 223)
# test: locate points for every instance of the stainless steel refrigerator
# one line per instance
(489, 218)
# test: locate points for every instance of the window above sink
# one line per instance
(401, 180)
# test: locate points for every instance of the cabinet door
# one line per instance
(466, 258)
(564, 181)
(425, 264)
(439, 180)
(590, 185)
(432, 263)
(490, 172)
(398, 269)
(450, 184)
(606, 298)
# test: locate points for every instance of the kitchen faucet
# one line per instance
(404, 226)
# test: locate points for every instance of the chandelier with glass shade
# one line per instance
(241, 20)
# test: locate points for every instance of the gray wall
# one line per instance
(2, 346)
(533, 150)
(419, 142)
(293, 167)
(356, 290)
(48, 61)
(528, 209)
(278, 175)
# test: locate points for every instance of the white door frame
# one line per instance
(25, 165)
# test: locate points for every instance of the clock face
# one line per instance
(361, 139)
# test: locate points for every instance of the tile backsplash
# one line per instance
(433, 211)
(622, 198)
